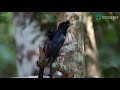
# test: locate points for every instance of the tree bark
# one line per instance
(71, 61)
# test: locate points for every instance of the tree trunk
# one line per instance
(91, 51)
(71, 59)
(28, 36)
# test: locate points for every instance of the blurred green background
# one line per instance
(7, 46)
(107, 38)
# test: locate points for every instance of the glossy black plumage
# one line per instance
(54, 44)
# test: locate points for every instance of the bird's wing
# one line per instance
(56, 45)
(47, 48)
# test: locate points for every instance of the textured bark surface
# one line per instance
(71, 62)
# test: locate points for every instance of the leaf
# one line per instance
(3, 19)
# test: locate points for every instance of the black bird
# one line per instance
(54, 44)
(46, 51)
(50, 35)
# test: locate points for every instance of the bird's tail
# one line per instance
(41, 72)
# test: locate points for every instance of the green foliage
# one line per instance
(2, 18)
(107, 40)
(7, 46)
(48, 19)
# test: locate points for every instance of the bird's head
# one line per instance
(64, 25)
